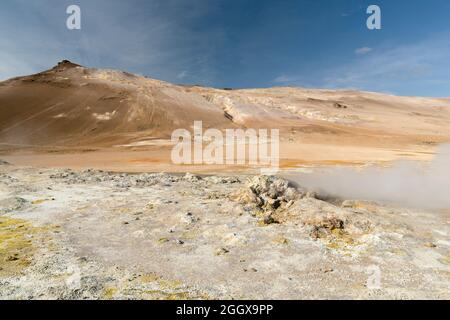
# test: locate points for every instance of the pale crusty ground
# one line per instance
(99, 235)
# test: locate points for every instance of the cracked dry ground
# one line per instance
(100, 235)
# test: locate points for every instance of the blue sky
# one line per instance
(239, 43)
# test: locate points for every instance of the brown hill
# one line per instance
(70, 107)
(73, 105)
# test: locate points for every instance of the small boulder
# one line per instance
(12, 204)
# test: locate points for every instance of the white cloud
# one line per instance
(363, 50)
(183, 74)
(286, 79)
(409, 68)
(157, 40)
(282, 79)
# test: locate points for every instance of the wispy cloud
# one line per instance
(363, 50)
(182, 75)
(151, 37)
(415, 67)
(214, 43)
(285, 79)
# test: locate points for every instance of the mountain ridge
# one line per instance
(72, 105)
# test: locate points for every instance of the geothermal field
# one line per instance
(92, 205)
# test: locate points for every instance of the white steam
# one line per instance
(407, 183)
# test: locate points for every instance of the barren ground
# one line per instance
(101, 235)
(127, 233)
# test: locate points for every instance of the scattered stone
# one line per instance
(11, 258)
(222, 180)
(222, 251)
(340, 105)
(119, 180)
(189, 218)
(269, 220)
(191, 178)
(281, 240)
(163, 240)
(326, 227)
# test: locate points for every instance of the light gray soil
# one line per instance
(99, 235)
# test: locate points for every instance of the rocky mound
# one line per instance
(12, 204)
(126, 180)
(276, 200)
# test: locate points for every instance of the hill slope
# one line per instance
(70, 107)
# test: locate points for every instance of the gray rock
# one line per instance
(269, 193)
(12, 204)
